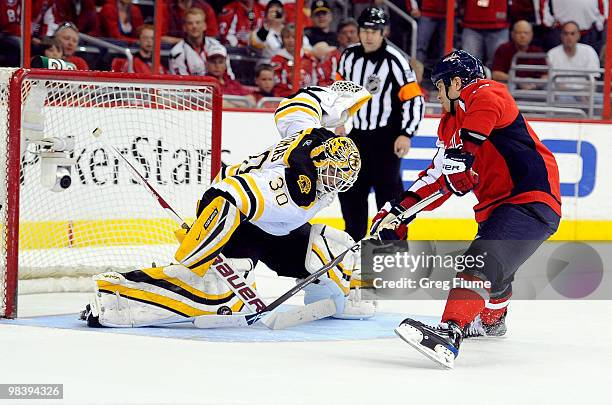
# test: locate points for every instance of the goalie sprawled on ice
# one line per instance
(257, 210)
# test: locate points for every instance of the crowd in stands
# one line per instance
(218, 37)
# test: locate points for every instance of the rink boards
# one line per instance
(580, 149)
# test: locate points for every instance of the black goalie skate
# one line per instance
(478, 329)
(439, 343)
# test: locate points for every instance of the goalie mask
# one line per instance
(341, 101)
(338, 163)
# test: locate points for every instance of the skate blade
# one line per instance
(413, 337)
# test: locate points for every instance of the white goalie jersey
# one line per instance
(277, 189)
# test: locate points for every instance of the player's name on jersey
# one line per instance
(406, 283)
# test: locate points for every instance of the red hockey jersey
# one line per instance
(513, 164)
(236, 22)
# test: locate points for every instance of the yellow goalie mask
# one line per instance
(338, 163)
(341, 101)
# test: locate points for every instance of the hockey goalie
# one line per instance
(256, 211)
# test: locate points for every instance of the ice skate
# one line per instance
(439, 343)
(477, 328)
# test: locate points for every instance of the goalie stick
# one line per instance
(222, 321)
(230, 277)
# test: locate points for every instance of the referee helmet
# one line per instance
(373, 18)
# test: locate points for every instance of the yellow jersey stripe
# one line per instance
(304, 100)
(261, 203)
(232, 170)
(244, 200)
(294, 109)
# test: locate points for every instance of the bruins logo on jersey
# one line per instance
(304, 183)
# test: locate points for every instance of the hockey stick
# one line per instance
(220, 321)
(231, 277)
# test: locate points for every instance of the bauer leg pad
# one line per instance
(211, 231)
(162, 295)
(325, 243)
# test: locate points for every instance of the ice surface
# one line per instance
(556, 352)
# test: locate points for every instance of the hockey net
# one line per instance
(54, 236)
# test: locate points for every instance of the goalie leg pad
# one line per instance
(210, 232)
(325, 243)
(163, 295)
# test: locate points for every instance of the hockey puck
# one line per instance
(224, 310)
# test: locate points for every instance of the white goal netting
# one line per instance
(80, 210)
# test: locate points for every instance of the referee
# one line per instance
(383, 127)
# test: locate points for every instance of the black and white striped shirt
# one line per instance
(396, 101)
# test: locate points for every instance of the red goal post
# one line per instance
(75, 211)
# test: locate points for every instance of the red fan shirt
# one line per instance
(485, 14)
(429, 8)
(110, 26)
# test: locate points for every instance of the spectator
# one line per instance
(322, 17)
(10, 31)
(283, 65)
(522, 34)
(51, 48)
(81, 12)
(68, 36)
(485, 27)
(530, 11)
(432, 23)
(238, 19)
(268, 37)
(143, 59)
(120, 19)
(419, 71)
(188, 57)
(570, 54)
(216, 66)
(174, 14)
(291, 15)
(264, 79)
(348, 33)
(589, 15)
(327, 58)
(573, 56)
(522, 10)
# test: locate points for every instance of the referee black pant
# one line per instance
(380, 169)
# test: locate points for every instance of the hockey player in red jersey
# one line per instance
(486, 147)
